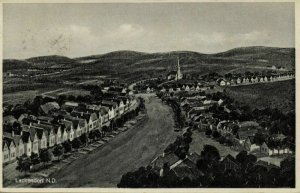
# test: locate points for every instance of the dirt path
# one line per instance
(128, 151)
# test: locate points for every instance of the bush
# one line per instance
(67, 146)
(76, 143)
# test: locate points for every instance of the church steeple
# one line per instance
(178, 74)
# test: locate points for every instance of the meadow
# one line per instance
(279, 95)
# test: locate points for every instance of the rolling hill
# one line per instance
(125, 60)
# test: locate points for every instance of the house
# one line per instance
(78, 128)
(117, 89)
(181, 171)
(221, 82)
(166, 158)
(19, 145)
(69, 128)
(5, 151)
(113, 108)
(42, 139)
(230, 163)
(125, 102)
(58, 135)
(148, 90)
(64, 134)
(266, 165)
(171, 89)
(187, 88)
(48, 107)
(45, 119)
(260, 79)
(22, 116)
(266, 150)
(70, 104)
(27, 142)
(34, 140)
(120, 106)
(250, 145)
(12, 148)
(49, 132)
(104, 114)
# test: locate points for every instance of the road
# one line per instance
(128, 151)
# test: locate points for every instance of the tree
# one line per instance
(34, 158)
(23, 164)
(92, 135)
(58, 151)
(76, 143)
(97, 133)
(45, 156)
(210, 153)
(83, 138)
(67, 146)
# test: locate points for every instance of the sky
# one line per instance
(76, 30)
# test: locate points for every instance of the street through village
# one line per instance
(127, 152)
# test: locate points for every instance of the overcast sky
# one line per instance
(84, 29)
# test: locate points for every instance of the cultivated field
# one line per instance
(279, 95)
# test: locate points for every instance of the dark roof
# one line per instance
(26, 136)
(231, 158)
(172, 73)
(109, 103)
(103, 111)
(170, 158)
(49, 106)
(39, 133)
(9, 119)
(45, 118)
(182, 171)
(17, 139)
(265, 164)
(116, 89)
(194, 157)
(124, 99)
(251, 139)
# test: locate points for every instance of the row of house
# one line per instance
(253, 79)
(185, 87)
(58, 124)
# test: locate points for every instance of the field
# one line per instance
(22, 96)
(19, 97)
(279, 95)
(199, 140)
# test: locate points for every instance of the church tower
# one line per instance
(178, 74)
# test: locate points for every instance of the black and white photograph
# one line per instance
(149, 95)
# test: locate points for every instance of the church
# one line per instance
(175, 75)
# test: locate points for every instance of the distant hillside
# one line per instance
(284, 57)
(48, 61)
(15, 64)
(122, 54)
(126, 61)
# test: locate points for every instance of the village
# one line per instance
(203, 112)
(58, 126)
(49, 129)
